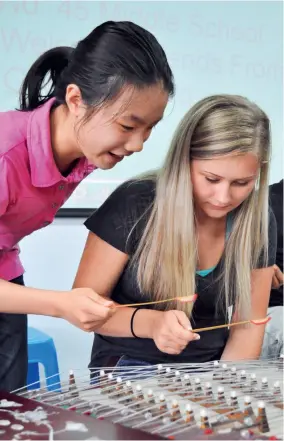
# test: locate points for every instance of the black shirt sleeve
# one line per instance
(272, 243)
(120, 219)
(276, 203)
(272, 239)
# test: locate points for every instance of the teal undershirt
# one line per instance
(204, 273)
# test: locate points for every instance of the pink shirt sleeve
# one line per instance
(4, 186)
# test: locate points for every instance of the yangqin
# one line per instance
(208, 401)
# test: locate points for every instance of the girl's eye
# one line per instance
(212, 180)
(127, 128)
(241, 184)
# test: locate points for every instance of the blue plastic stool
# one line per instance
(41, 349)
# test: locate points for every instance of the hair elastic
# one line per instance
(131, 323)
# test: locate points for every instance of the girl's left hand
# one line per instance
(171, 332)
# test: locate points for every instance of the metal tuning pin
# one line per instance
(110, 384)
(127, 395)
(177, 381)
(187, 388)
(262, 418)
(168, 377)
(162, 404)
(103, 381)
(208, 390)
(233, 375)
(204, 420)
(208, 398)
(175, 411)
(72, 385)
(248, 410)
(150, 397)
(189, 415)
(253, 382)
(276, 388)
(234, 400)
(216, 371)
(102, 376)
(221, 395)
(243, 379)
(154, 409)
(198, 392)
(225, 371)
(119, 388)
(264, 383)
(139, 396)
(160, 370)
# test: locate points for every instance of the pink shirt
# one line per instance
(31, 187)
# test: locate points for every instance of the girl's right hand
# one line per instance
(278, 277)
(171, 332)
(84, 308)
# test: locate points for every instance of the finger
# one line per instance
(191, 336)
(275, 282)
(183, 336)
(182, 328)
(182, 319)
(173, 350)
(101, 300)
(95, 311)
(276, 267)
(279, 275)
(176, 343)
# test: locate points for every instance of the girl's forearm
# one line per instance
(119, 324)
(244, 344)
(18, 299)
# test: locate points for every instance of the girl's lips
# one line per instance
(218, 207)
(116, 157)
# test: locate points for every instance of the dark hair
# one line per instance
(113, 55)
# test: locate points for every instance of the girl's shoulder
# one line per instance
(127, 208)
(137, 187)
(132, 197)
(13, 130)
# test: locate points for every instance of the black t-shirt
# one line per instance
(276, 203)
(113, 222)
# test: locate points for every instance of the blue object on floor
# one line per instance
(41, 349)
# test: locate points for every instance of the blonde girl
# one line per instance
(200, 224)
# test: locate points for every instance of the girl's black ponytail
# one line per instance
(47, 68)
(112, 56)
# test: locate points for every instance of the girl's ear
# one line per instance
(74, 100)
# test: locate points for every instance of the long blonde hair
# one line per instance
(166, 256)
